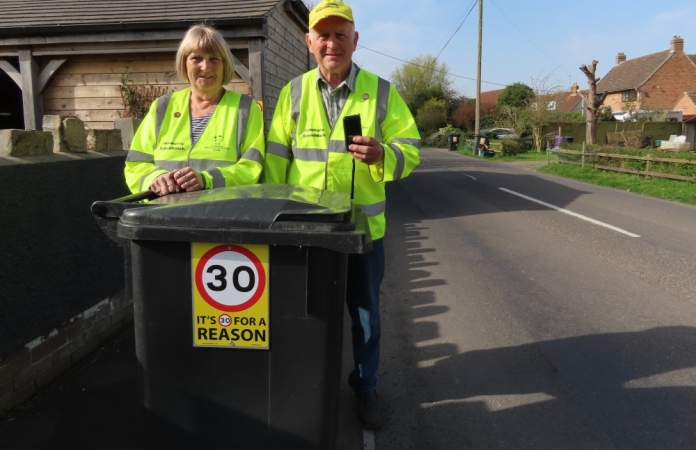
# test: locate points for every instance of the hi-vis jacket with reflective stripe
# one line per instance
(302, 148)
(229, 152)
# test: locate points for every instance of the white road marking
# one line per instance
(579, 216)
(368, 439)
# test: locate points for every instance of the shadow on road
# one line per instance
(613, 390)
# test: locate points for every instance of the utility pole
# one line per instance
(477, 126)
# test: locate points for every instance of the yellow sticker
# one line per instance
(230, 295)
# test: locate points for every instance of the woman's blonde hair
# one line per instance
(207, 39)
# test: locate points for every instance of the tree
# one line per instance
(432, 115)
(421, 79)
(592, 101)
(540, 110)
(517, 95)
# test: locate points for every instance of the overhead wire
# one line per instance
(525, 36)
(425, 67)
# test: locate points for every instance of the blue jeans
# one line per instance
(365, 273)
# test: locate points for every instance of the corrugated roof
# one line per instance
(633, 73)
(24, 15)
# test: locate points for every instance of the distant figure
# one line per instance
(201, 137)
(306, 146)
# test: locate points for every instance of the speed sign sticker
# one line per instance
(230, 295)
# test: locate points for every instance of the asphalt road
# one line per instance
(515, 325)
(508, 324)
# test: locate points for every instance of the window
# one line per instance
(629, 96)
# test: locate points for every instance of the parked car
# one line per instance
(499, 133)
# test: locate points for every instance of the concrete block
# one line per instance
(74, 135)
(52, 122)
(104, 140)
(128, 127)
(46, 378)
(25, 143)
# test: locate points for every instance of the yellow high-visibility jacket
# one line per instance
(302, 148)
(229, 152)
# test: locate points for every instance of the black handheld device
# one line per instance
(351, 127)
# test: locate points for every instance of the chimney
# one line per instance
(574, 89)
(620, 58)
(676, 45)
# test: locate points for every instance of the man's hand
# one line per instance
(367, 149)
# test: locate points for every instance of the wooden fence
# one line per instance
(590, 158)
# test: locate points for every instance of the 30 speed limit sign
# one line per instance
(230, 295)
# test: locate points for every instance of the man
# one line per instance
(306, 146)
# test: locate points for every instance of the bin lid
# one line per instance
(256, 207)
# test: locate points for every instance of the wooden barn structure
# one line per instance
(70, 58)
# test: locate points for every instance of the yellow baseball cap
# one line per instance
(328, 8)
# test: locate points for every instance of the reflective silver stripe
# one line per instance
(218, 179)
(337, 146)
(242, 121)
(162, 104)
(171, 165)
(399, 169)
(253, 155)
(311, 154)
(383, 87)
(136, 156)
(408, 141)
(375, 209)
(280, 150)
(142, 179)
(207, 164)
(295, 100)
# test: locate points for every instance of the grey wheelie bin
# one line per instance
(238, 300)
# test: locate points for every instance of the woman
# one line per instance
(201, 137)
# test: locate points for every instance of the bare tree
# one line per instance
(592, 102)
(540, 110)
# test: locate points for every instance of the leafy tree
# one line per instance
(432, 115)
(605, 114)
(517, 95)
(538, 111)
(421, 79)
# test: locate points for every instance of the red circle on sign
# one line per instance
(260, 287)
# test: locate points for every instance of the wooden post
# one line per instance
(648, 165)
(257, 74)
(582, 164)
(31, 98)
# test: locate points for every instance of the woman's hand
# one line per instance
(188, 179)
(164, 185)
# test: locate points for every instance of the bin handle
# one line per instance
(114, 208)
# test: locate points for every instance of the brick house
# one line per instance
(687, 105)
(69, 58)
(654, 81)
(573, 101)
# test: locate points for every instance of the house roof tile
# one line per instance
(491, 97)
(25, 15)
(633, 73)
(570, 103)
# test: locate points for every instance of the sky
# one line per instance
(523, 41)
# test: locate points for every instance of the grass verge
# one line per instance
(680, 191)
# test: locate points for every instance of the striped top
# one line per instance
(198, 124)
(334, 99)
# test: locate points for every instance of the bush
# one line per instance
(437, 140)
